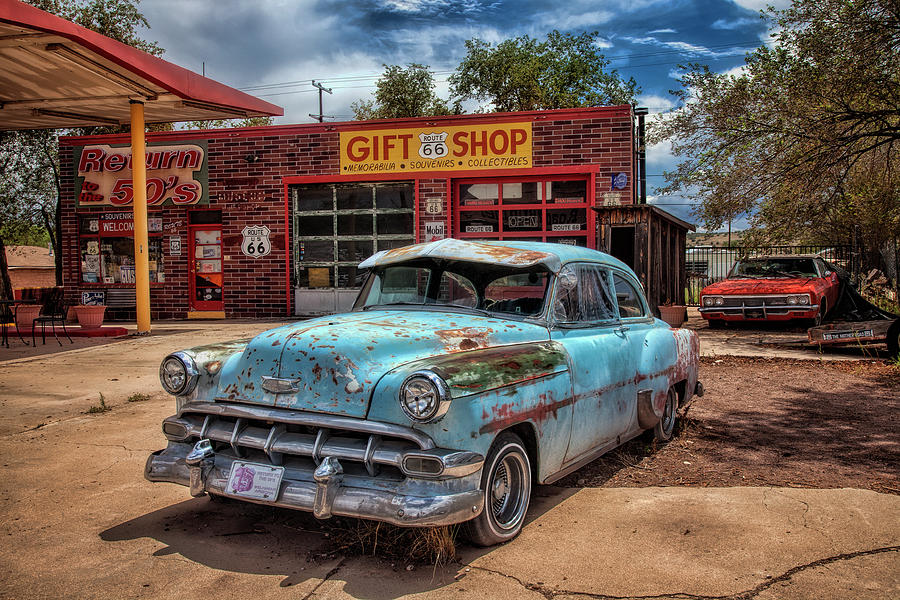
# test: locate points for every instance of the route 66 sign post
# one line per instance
(256, 241)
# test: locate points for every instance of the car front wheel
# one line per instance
(820, 316)
(506, 485)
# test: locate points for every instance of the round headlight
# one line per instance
(803, 299)
(707, 300)
(177, 374)
(719, 300)
(792, 299)
(424, 396)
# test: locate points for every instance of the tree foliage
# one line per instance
(225, 123)
(804, 139)
(403, 92)
(523, 73)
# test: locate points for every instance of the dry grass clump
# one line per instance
(431, 545)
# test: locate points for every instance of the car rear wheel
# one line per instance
(893, 340)
(506, 485)
(666, 425)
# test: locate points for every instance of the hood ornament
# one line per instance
(280, 385)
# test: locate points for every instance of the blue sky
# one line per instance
(275, 48)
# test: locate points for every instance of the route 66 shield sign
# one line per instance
(433, 145)
(256, 241)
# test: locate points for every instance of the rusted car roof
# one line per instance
(514, 254)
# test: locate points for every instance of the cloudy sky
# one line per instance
(275, 48)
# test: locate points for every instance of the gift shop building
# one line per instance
(272, 221)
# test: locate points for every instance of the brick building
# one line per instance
(272, 221)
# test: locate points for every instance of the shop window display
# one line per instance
(107, 256)
(550, 210)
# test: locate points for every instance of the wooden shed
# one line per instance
(650, 241)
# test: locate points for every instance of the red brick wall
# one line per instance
(247, 168)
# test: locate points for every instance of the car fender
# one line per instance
(492, 390)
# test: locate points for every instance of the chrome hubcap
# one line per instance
(509, 491)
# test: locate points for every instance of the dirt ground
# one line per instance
(772, 422)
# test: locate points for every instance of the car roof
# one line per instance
(515, 254)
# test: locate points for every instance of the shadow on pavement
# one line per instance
(259, 540)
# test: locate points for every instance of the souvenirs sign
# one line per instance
(176, 175)
(458, 148)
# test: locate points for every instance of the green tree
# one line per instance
(523, 73)
(804, 139)
(401, 93)
(224, 123)
(27, 194)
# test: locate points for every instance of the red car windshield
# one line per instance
(774, 267)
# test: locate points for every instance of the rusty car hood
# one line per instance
(781, 285)
(335, 362)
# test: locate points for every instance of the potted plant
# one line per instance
(91, 310)
(26, 314)
(673, 314)
(90, 316)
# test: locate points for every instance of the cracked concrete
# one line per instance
(79, 521)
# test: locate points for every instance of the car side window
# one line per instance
(583, 295)
(628, 298)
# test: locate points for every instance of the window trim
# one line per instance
(551, 314)
(648, 315)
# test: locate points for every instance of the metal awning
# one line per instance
(56, 74)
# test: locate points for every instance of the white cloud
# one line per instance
(735, 23)
(655, 31)
(655, 103)
(758, 5)
(685, 47)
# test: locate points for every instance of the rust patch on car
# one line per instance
(507, 415)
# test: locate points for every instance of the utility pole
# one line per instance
(322, 88)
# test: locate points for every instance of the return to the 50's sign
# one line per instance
(458, 148)
(176, 174)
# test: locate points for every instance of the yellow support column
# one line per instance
(141, 257)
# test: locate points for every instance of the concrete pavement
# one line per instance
(79, 521)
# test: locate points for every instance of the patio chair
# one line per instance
(53, 311)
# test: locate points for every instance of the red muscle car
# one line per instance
(772, 288)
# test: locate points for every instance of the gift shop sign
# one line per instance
(176, 175)
(458, 148)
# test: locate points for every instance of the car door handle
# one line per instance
(621, 330)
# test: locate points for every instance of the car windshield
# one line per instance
(462, 286)
(774, 267)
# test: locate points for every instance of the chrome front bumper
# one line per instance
(328, 491)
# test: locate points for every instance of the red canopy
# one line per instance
(56, 74)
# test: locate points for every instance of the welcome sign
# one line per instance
(457, 148)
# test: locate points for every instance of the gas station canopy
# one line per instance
(56, 74)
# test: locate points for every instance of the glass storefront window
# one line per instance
(556, 208)
(338, 225)
(109, 259)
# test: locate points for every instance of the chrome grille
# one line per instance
(280, 434)
(754, 301)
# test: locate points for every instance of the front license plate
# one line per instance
(253, 480)
(753, 314)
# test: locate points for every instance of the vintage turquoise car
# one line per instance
(465, 372)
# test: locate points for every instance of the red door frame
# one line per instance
(216, 305)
